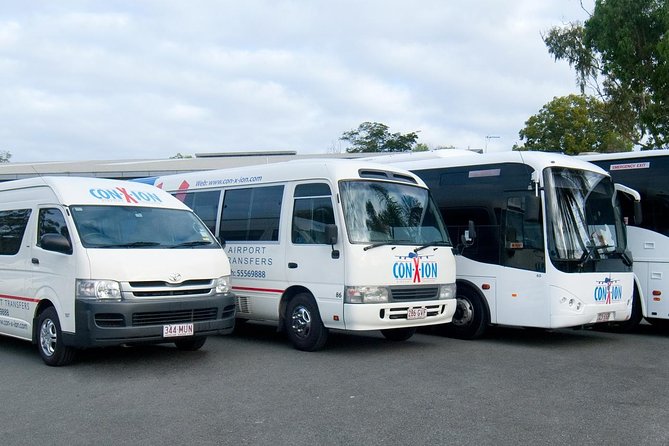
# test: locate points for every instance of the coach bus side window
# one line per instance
(523, 245)
(12, 227)
(204, 204)
(251, 214)
(312, 212)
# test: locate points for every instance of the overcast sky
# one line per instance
(104, 80)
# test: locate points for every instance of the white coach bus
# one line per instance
(543, 241)
(646, 172)
(328, 244)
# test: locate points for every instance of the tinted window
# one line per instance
(204, 204)
(51, 221)
(12, 227)
(311, 214)
(251, 214)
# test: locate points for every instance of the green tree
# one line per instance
(375, 137)
(5, 156)
(572, 124)
(622, 53)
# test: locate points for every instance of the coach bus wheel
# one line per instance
(304, 325)
(191, 344)
(50, 340)
(398, 334)
(470, 319)
(635, 317)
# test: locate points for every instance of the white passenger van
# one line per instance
(90, 262)
(328, 244)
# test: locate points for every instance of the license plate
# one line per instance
(416, 313)
(603, 317)
(176, 330)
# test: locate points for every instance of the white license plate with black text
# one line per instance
(604, 317)
(416, 313)
(176, 330)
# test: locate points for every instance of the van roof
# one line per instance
(97, 191)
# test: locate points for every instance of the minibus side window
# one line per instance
(251, 214)
(312, 212)
(12, 227)
(204, 204)
(51, 221)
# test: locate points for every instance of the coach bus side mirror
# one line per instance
(637, 213)
(467, 239)
(532, 208)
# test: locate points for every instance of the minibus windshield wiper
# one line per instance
(191, 243)
(377, 244)
(435, 243)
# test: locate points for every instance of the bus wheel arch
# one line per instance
(302, 321)
(472, 314)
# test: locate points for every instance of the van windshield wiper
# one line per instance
(136, 244)
(191, 243)
(435, 243)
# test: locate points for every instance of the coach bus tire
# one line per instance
(470, 319)
(191, 344)
(304, 325)
(50, 340)
(398, 334)
(635, 317)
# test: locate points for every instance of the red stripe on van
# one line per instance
(22, 299)
(262, 290)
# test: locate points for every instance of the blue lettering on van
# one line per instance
(415, 268)
(122, 194)
(608, 291)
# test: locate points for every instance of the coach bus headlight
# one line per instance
(366, 294)
(447, 291)
(223, 284)
(98, 289)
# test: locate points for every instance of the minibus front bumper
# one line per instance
(139, 321)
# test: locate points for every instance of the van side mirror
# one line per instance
(56, 243)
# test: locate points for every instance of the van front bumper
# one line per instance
(140, 321)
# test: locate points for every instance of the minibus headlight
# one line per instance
(447, 291)
(98, 289)
(366, 294)
(223, 284)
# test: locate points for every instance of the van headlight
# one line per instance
(366, 294)
(223, 284)
(98, 289)
(447, 291)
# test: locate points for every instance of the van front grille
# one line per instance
(174, 317)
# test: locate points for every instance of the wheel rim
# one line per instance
(464, 312)
(301, 322)
(48, 337)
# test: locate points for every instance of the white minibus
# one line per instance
(88, 262)
(327, 244)
(544, 243)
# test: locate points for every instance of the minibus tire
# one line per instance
(398, 334)
(470, 319)
(50, 340)
(304, 326)
(191, 344)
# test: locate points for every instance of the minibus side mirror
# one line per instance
(56, 243)
(331, 234)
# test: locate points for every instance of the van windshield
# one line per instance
(140, 227)
(391, 213)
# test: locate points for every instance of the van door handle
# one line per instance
(292, 265)
(35, 261)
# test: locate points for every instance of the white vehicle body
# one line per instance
(336, 234)
(646, 172)
(540, 258)
(82, 264)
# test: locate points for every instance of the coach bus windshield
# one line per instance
(584, 225)
(390, 213)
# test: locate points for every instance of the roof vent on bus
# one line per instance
(383, 174)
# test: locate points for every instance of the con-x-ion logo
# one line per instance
(415, 268)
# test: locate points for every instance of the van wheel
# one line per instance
(304, 325)
(50, 340)
(191, 344)
(470, 319)
(398, 334)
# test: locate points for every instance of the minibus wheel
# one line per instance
(50, 340)
(304, 325)
(191, 344)
(398, 334)
(470, 319)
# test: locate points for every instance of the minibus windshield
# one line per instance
(140, 227)
(391, 213)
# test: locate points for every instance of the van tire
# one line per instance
(191, 344)
(50, 340)
(398, 334)
(304, 325)
(470, 319)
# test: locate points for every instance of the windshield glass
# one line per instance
(380, 212)
(583, 221)
(140, 227)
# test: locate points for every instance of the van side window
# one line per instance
(204, 204)
(51, 221)
(12, 227)
(312, 211)
(251, 214)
